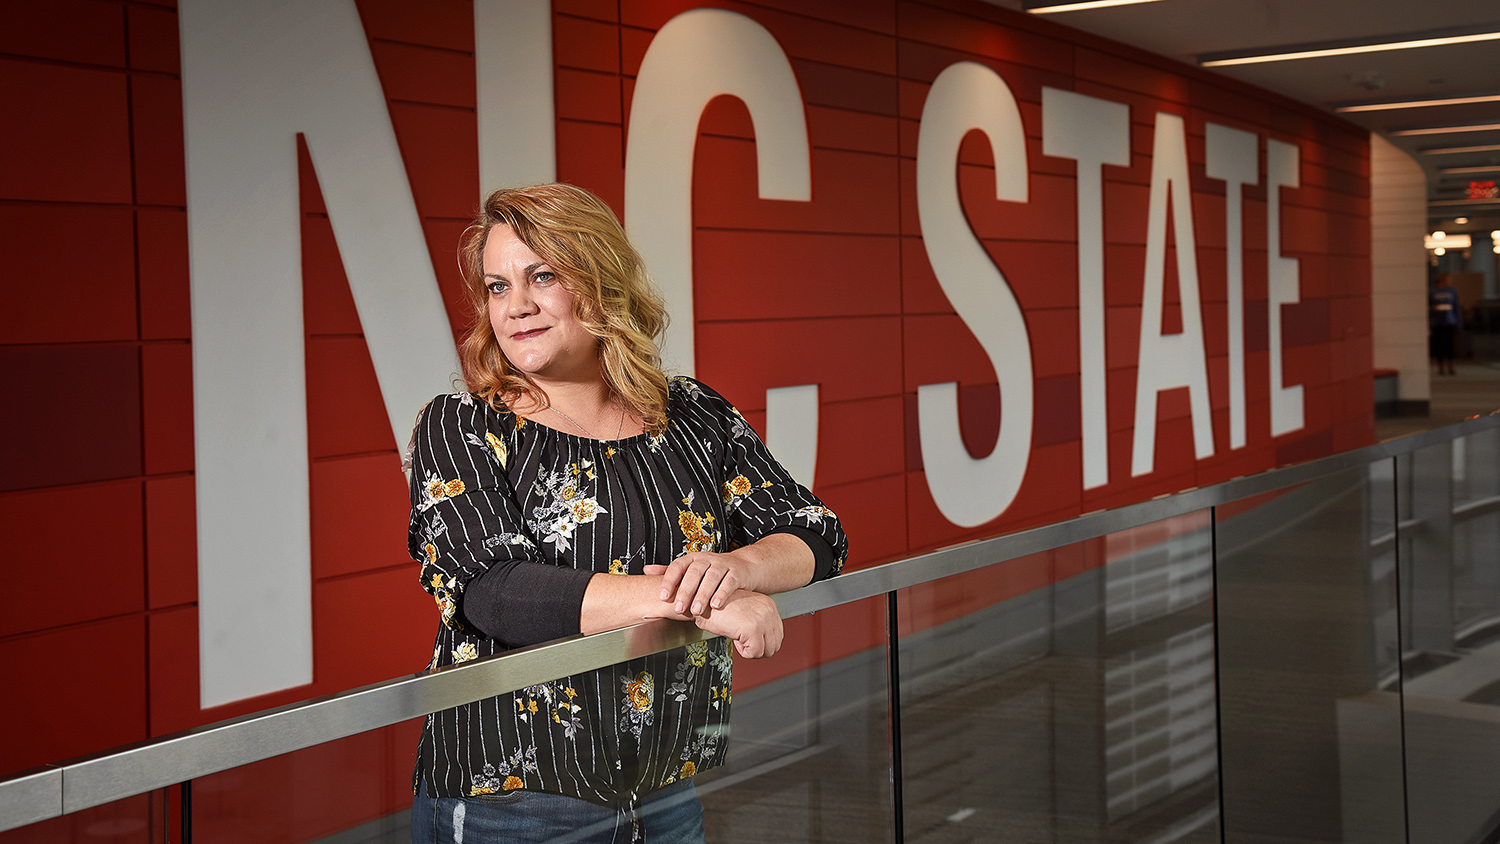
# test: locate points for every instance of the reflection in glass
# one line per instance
(140, 819)
(358, 788)
(1450, 557)
(1311, 743)
(1476, 539)
(809, 756)
(1065, 696)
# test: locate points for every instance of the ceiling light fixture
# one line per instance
(1455, 150)
(1446, 130)
(1439, 240)
(1048, 7)
(1484, 168)
(1472, 203)
(1395, 104)
(1344, 47)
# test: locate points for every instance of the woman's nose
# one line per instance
(520, 303)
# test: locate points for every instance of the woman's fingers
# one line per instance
(693, 581)
(751, 620)
(671, 578)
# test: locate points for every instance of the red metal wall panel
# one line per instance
(836, 291)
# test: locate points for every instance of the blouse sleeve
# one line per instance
(761, 498)
(478, 562)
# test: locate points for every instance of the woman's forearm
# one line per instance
(702, 580)
(776, 563)
(616, 600)
(772, 564)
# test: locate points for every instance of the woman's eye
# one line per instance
(543, 277)
(496, 288)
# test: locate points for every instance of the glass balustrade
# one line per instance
(1450, 570)
(1315, 659)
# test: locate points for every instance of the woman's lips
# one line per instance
(527, 335)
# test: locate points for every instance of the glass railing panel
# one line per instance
(352, 789)
(809, 757)
(1450, 557)
(1309, 715)
(808, 749)
(1066, 696)
(1476, 538)
(142, 819)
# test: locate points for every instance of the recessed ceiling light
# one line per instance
(1461, 220)
(1440, 251)
(1376, 44)
(1047, 7)
(1436, 101)
(1447, 130)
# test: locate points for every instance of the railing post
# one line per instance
(893, 682)
(187, 812)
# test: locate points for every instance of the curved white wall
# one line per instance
(1398, 284)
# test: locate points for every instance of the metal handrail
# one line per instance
(67, 787)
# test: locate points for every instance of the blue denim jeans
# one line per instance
(671, 815)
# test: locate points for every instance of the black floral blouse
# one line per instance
(517, 517)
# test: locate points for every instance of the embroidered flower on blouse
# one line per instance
(695, 531)
(497, 446)
(585, 510)
(488, 780)
(688, 769)
(687, 672)
(635, 703)
(638, 692)
(734, 489)
(688, 386)
(814, 514)
(435, 489)
(491, 542)
(443, 592)
(465, 652)
(566, 506)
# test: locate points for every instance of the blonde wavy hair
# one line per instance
(614, 299)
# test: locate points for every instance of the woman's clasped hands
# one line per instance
(718, 593)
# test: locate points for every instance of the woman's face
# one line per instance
(532, 313)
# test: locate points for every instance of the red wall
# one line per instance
(96, 486)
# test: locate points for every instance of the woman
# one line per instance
(575, 488)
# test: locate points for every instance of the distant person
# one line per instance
(574, 487)
(1443, 319)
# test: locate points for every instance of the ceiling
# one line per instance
(1186, 29)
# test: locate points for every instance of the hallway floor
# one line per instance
(1474, 390)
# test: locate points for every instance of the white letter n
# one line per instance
(253, 76)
